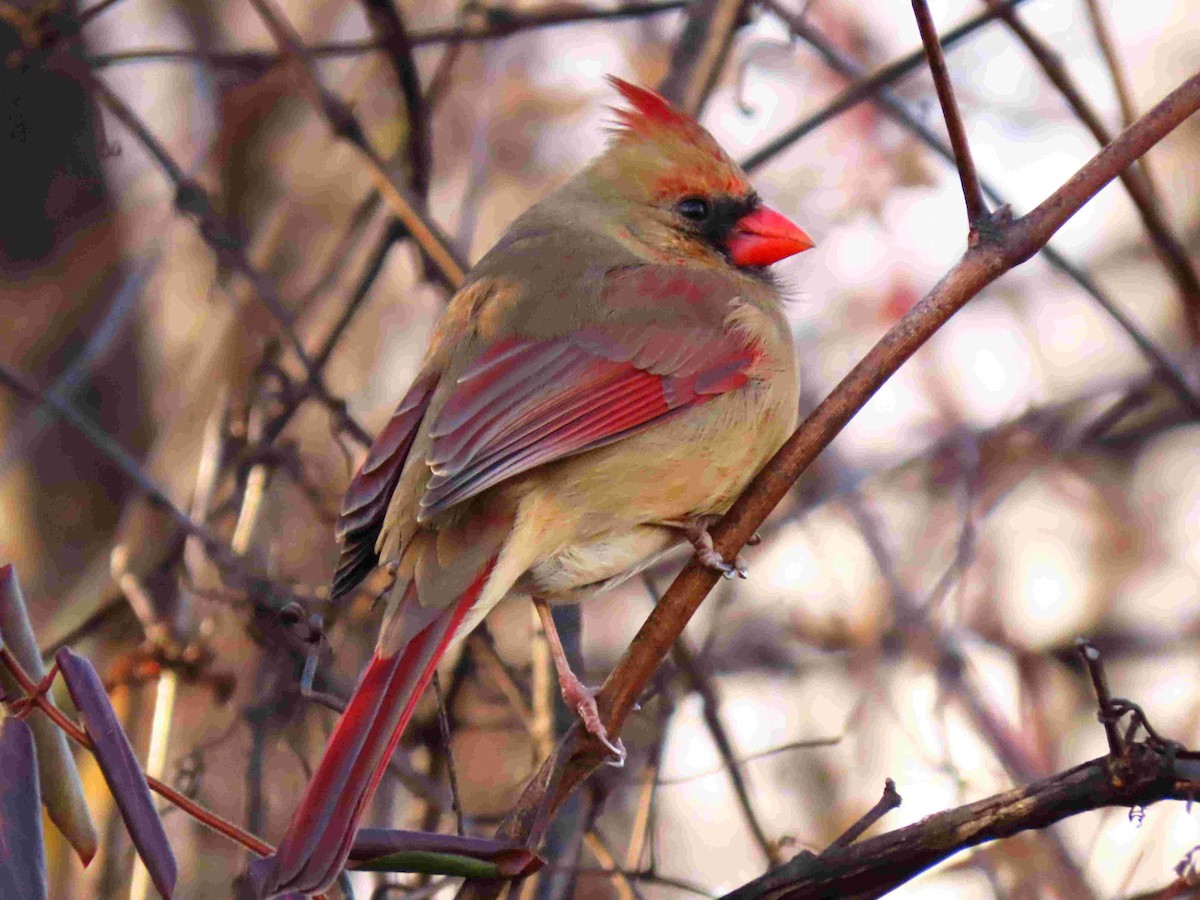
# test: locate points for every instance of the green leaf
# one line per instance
(428, 863)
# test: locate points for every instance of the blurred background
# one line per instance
(1029, 476)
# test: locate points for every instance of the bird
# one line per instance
(599, 390)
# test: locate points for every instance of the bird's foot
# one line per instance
(697, 533)
(582, 699)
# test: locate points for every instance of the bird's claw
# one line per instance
(713, 560)
(707, 554)
(583, 699)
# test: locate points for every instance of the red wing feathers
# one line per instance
(367, 498)
(524, 404)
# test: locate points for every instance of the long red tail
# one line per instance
(318, 840)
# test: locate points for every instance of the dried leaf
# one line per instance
(120, 767)
(22, 854)
(61, 788)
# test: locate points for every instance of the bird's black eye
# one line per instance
(695, 208)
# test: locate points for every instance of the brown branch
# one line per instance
(885, 804)
(710, 710)
(120, 457)
(1173, 254)
(342, 122)
(448, 755)
(977, 211)
(1133, 775)
(700, 52)
(1108, 50)
(397, 44)
(1091, 660)
(1003, 244)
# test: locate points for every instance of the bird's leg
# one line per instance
(696, 530)
(578, 696)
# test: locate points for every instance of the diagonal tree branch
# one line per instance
(877, 865)
(192, 200)
(700, 52)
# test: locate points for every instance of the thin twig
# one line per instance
(444, 728)
(977, 210)
(344, 124)
(889, 801)
(700, 52)
(1124, 91)
(485, 23)
(710, 709)
(1104, 701)
(864, 87)
(192, 200)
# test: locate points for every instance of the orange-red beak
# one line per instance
(764, 237)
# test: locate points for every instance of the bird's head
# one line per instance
(674, 189)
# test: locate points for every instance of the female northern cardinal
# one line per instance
(608, 379)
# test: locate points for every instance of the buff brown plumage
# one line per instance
(610, 376)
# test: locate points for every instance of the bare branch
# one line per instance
(877, 865)
(977, 211)
(192, 200)
(700, 52)
(486, 23)
(343, 123)
(889, 801)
